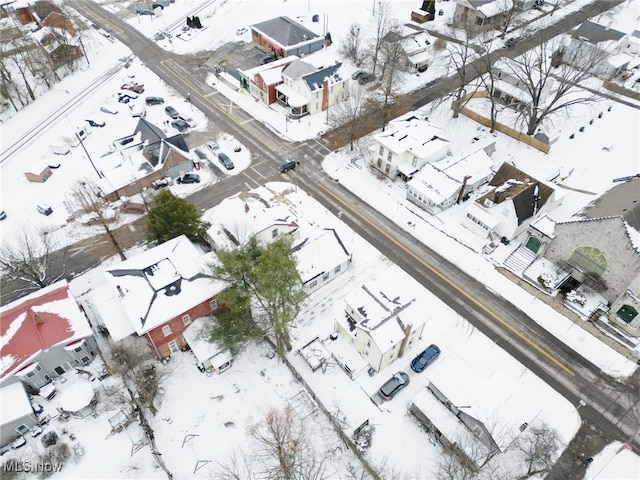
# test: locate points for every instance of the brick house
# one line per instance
(157, 294)
(283, 37)
(261, 81)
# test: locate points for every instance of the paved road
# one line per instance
(611, 405)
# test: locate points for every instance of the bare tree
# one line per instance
(394, 63)
(460, 56)
(351, 47)
(508, 16)
(487, 77)
(89, 199)
(552, 87)
(382, 24)
(540, 445)
(32, 260)
(349, 119)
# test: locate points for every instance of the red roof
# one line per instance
(39, 321)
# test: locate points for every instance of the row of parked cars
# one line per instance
(399, 380)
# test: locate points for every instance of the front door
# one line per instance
(59, 370)
(173, 347)
(533, 244)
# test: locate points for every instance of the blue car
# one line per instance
(425, 358)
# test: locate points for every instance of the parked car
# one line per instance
(53, 163)
(3, 214)
(172, 112)
(189, 178)
(425, 358)
(510, 42)
(36, 430)
(241, 31)
(267, 59)
(134, 87)
(213, 147)
(44, 209)
(287, 165)
(180, 125)
(18, 442)
(188, 120)
(392, 386)
(365, 78)
(94, 123)
(226, 161)
(357, 74)
(109, 110)
(125, 97)
(154, 100)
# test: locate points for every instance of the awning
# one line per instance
(294, 99)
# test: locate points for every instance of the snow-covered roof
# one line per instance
(37, 322)
(286, 31)
(161, 284)
(319, 253)
(275, 65)
(496, 7)
(433, 184)
(298, 69)
(502, 403)
(386, 310)
(201, 347)
(15, 402)
(619, 60)
(414, 135)
(545, 225)
(475, 165)
(331, 74)
(246, 214)
(294, 99)
(272, 76)
(593, 32)
(482, 215)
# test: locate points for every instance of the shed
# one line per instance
(39, 173)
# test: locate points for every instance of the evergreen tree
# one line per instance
(263, 295)
(170, 216)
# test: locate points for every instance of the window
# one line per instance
(389, 156)
(627, 313)
(381, 150)
(186, 320)
(213, 304)
(379, 163)
(166, 330)
(274, 233)
(325, 277)
(22, 429)
(589, 260)
(313, 284)
(337, 269)
(368, 343)
(79, 349)
(414, 162)
(30, 374)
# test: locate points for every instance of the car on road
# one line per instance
(226, 161)
(172, 112)
(180, 125)
(213, 147)
(425, 358)
(241, 31)
(391, 387)
(510, 42)
(365, 78)
(154, 100)
(44, 209)
(109, 110)
(134, 87)
(357, 74)
(189, 178)
(3, 214)
(95, 123)
(188, 120)
(287, 165)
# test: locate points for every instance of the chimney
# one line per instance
(403, 345)
(325, 95)
(464, 184)
(38, 319)
(120, 292)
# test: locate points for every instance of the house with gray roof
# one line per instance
(283, 36)
(307, 90)
(480, 15)
(598, 48)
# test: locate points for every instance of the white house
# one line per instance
(306, 89)
(478, 412)
(320, 256)
(438, 185)
(18, 416)
(509, 203)
(406, 146)
(381, 322)
(416, 44)
(480, 14)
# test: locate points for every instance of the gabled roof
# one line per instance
(412, 134)
(298, 69)
(285, 31)
(42, 320)
(595, 33)
(319, 253)
(160, 284)
(509, 183)
(316, 79)
(148, 131)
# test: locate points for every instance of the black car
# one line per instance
(394, 385)
(126, 97)
(357, 74)
(267, 59)
(365, 78)
(189, 178)
(287, 165)
(180, 125)
(510, 42)
(93, 123)
(425, 358)
(154, 100)
(226, 161)
(172, 112)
